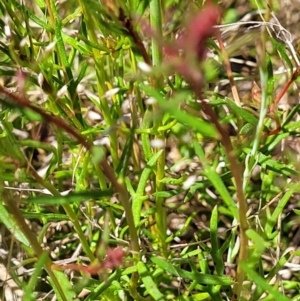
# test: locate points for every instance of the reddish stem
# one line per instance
(286, 86)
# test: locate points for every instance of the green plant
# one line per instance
(116, 140)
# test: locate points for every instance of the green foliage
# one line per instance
(114, 146)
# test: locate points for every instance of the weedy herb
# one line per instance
(148, 150)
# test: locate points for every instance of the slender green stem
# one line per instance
(59, 156)
(251, 157)
(156, 24)
(145, 137)
(250, 163)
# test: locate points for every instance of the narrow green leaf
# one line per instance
(274, 271)
(47, 216)
(32, 115)
(37, 144)
(97, 153)
(293, 126)
(40, 3)
(64, 282)
(247, 129)
(126, 155)
(82, 72)
(173, 181)
(274, 165)
(215, 251)
(76, 44)
(29, 288)
(242, 113)
(217, 182)
(257, 249)
(103, 286)
(199, 277)
(138, 199)
(166, 194)
(149, 283)
(129, 270)
(279, 209)
(70, 198)
(93, 45)
(291, 115)
(32, 16)
(60, 46)
(216, 101)
(281, 48)
(262, 283)
(297, 211)
(8, 220)
(269, 146)
(71, 17)
(172, 106)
